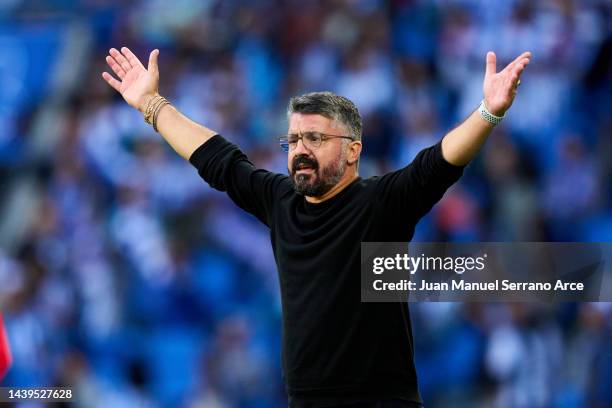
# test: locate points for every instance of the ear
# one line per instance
(354, 150)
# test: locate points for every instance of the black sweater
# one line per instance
(334, 346)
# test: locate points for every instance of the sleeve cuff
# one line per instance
(441, 162)
(206, 150)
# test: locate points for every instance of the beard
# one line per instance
(320, 180)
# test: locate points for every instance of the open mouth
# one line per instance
(303, 168)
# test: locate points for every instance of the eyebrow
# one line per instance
(304, 131)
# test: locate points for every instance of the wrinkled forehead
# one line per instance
(313, 122)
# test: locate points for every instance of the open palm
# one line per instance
(136, 83)
(500, 88)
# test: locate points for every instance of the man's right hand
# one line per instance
(136, 83)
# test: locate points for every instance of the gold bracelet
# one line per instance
(147, 111)
(154, 108)
(156, 113)
(150, 107)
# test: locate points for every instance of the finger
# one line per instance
(512, 85)
(134, 61)
(524, 56)
(120, 59)
(520, 67)
(512, 73)
(153, 67)
(491, 63)
(111, 81)
(115, 67)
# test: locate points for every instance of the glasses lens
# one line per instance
(312, 139)
(284, 144)
(292, 141)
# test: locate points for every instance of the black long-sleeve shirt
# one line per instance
(335, 347)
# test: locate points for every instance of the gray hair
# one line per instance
(331, 106)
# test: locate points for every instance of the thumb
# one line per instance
(153, 68)
(491, 63)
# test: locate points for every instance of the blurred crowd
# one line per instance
(125, 277)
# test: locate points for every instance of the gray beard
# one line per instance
(324, 179)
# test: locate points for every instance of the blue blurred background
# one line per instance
(124, 276)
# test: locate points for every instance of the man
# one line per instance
(337, 351)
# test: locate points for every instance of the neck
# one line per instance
(348, 178)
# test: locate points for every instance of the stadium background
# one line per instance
(126, 277)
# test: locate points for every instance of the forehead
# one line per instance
(303, 122)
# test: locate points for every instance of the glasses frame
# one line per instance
(284, 139)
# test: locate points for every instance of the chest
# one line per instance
(300, 227)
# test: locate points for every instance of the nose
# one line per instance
(300, 148)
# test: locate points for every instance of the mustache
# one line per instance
(304, 160)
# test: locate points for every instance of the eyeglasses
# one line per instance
(311, 140)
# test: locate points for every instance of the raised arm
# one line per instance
(139, 85)
(461, 144)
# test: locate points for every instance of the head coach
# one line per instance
(337, 351)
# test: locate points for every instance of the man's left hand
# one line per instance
(500, 87)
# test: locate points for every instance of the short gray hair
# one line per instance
(331, 106)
